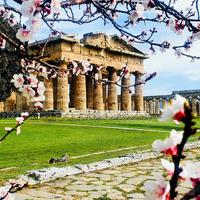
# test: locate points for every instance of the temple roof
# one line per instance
(101, 41)
(111, 43)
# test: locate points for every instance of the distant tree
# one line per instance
(9, 61)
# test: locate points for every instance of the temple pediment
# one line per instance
(111, 43)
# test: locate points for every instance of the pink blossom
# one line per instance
(55, 6)
(19, 120)
(86, 66)
(35, 23)
(33, 81)
(125, 72)
(24, 114)
(18, 80)
(24, 35)
(2, 43)
(137, 13)
(28, 7)
(8, 128)
(191, 170)
(174, 110)
(28, 91)
(169, 166)
(38, 105)
(169, 145)
(18, 130)
(157, 190)
(41, 88)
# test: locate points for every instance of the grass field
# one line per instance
(41, 140)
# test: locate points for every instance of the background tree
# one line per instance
(9, 61)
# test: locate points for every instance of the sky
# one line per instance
(173, 73)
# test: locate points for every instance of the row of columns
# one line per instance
(154, 106)
(86, 92)
(83, 92)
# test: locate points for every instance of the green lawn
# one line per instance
(43, 139)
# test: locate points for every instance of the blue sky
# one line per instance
(173, 73)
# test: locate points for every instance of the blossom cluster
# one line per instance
(125, 72)
(33, 10)
(30, 87)
(80, 68)
(160, 190)
(8, 16)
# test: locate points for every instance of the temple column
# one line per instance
(112, 90)
(105, 96)
(198, 107)
(157, 107)
(145, 105)
(1, 106)
(72, 93)
(62, 93)
(150, 107)
(21, 102)
(125, 94)
(132, 103)
(80, 98)
(154, 106)
(10, 103)
(48, 103)
(89, 91)
(98, 93)
(164, 101)
(194, 105)
(138, 92)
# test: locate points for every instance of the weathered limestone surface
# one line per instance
(1, 106)
(21, 102)
(98, 94)
(138, 92)
(123, 183)
(112, 91)
(89, 91)
(48, 103)
(105, 96)
(80, 96)
(10, 103)
(125, 95)
(62, 93)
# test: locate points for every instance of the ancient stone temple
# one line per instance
(154, 104)
(82, 92)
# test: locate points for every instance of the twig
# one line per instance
(13, 129)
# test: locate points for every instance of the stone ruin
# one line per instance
(82, 93)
